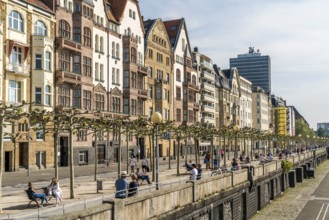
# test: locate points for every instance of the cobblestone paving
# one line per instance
(293, 200)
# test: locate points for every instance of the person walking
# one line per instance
(144, 165)
(132, 164)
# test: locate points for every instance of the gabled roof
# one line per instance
(117, 8)
(229, 73)
(148, 25)
(40, 4)
(174, 28)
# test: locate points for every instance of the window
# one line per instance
(86, 100)
(158, 93)
(150, 92)
(113, 76)
(64, 97)
(133, 55)
(167, 61)
(47, 95)
(100, 102)
(178, 115)
(101, 45)
(133, 107)
(77, 64)
(117, 53)
(87, 66)
(178, 75)
(194, 80)
(126, 106)
(150, 112)
(150, 72)
(40, 28)
(87, 37)
(96, 43)
(14, 91)
(48, 61)
(16, 56)
(101, 72)
(150, 53)
(113, 49)
(38, 95)
(178, 93)
(76, 35)
(16, 21)
(38, 61)
(159, 57)
(64, 61)
(126, 81)
(183, 45)
(116, 104)
(96, 71)
(167, 77)
(39, 134)
(82, 135)
(64, 29)
(159, 74)
(77, 8)
(83, 157)
(164, 94)
(126, 55)
(134, 15)
(76, 99)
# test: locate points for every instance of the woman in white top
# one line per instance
(132, 164)
(194, 172)
(56, 190)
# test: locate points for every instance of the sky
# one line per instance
(294, 33)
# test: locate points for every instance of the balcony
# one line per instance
(142, 69)
(128, 38)
(207, 75)
(191, 86)
(207, 86)
(41, 41)
(67, 44)
(20, 70)
(208, 119)
(208, 108)
(68, 77)
(142, 93)
(196, 106)
(208, 98)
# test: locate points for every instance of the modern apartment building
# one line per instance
(260, 109)
(159, 81)
(245, 103)
(255, 67)
(281, 115)
(291, 126)
(26, 45)
(324, 126)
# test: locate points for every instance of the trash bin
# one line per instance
(100, 185)
(310, 172)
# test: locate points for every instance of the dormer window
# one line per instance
(173, 28)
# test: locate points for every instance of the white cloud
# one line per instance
(293, 32)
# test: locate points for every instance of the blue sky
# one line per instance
(295, 33)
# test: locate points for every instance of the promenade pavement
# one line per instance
(307, 201)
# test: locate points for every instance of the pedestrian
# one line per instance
(143, 176)
(132, 164)
(56, 191)
(199, 172)
(144, 165)
(222, 153)
(194, 172)
(31, 191)
(133, 185)
(121, 186)
(207, 160)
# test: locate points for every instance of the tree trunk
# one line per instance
(169, 156)
(96, 157)
(1, 159)
(127, 156)
(178, 150)
(119, 152)
(56, 142)
(196, 150)
(71, 162)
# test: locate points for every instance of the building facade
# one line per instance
(27, 47)
(260, 109)
(254, 67)
(245, 103)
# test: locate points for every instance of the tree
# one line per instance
(303, 129)
(321, 132)
(7, 113)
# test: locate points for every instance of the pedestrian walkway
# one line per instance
(290, 205)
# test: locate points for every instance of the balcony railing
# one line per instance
(68, 44)
(18, 69)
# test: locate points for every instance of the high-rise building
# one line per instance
(255, 68)
(324, 126)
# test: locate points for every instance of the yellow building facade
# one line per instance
(159, 82)
(280, 113)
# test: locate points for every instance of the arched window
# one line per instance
(113, 49)
(40, 28)
(96, 43)
(117, 53)
(128, 31)
(64, 29)
(101, 44)
(16, 21)
(178, 75)
(133, 55)
(194, 80)
(87, 37)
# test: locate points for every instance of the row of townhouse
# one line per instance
(100, 55)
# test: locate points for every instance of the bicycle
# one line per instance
(219, 171)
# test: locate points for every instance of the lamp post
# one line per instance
(300, 139)
(156, 119)
(236, 129)
(269, 134)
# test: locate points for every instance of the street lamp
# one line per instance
(236, 129)
(269, 133)
(300, 139)
(156, 119)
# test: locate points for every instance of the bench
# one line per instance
(36, 200)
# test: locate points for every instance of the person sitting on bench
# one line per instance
(188, 166)
(143, 176)
(35, 195)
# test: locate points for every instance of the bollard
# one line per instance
(299, 174)
(292, 179)
(100, 185)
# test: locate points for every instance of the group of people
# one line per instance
(125, 189)
(53, 190)
(196, 170)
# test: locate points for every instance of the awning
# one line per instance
(13, 43)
